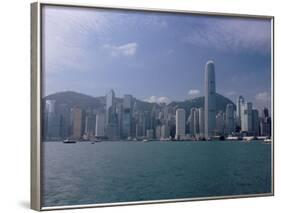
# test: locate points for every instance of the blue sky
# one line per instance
(155, 56)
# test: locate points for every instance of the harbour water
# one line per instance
(109, 172)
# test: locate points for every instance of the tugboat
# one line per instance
(69, 141)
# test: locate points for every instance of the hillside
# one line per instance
(85, 101)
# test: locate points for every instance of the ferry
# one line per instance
(69, 141)
(267, 140)
(248, 139)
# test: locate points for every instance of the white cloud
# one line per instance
(263, 97)
(193, 92)
(129, 49)
(156, 99)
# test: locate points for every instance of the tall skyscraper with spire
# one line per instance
(210, 99)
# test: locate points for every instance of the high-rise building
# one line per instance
(110, 107)
(76, 115)
(90, 124)
(265, 113)
(220, 123)
(158, 132)
(265, 125)
(100, 125)
(149, 134)
(194, 121)
(63, 112)
(246, 118)
(180, 123)
(127, 116)
(201, 121)
(165, 133)
(52, 121)
(210, 99)
(112, 129)
(229, 122)
(239, 105)
(255, 122)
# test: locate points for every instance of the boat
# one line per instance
(267, 140)
(97, 140)
(69, 141)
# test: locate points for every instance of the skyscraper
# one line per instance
(266, 123)
(201, 121)
(229, 122)
(210, 99)
(165, 131)
(52, 121)
(180, 123)
(256, 122)
(220, 123)
(90, 124)
(239, 104)
(127, 116)
(194, 121)
(112, 130)
(110, 107)
(76, 115)
(246, 117)
(100, 125)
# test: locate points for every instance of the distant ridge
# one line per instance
(86, 101)
(198, 102)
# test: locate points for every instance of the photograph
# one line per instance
(154, 106)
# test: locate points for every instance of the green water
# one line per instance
(85, 173)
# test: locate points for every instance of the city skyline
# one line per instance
(81, 55)
(125, 120)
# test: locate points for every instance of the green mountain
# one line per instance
(85, 101)
(198, 102)
(74, 99)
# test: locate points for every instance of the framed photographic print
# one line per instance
(138, 105)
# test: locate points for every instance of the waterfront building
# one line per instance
(90, 124)
(239, 105)
(265, 125)
(149, 134)
(110, 107)
(220, 123)
(180, 124)
(100, 124)
(210, 99)
(127, 116)
(52, 122)
(112, 128)
(265, 112)
(158, 132)
(165, 133)
(193, 122)
(255, 122)
(201, 121)
(63, 112)
(246, 117)
(229, 122)
(76, 118)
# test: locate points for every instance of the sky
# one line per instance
(156, 57)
